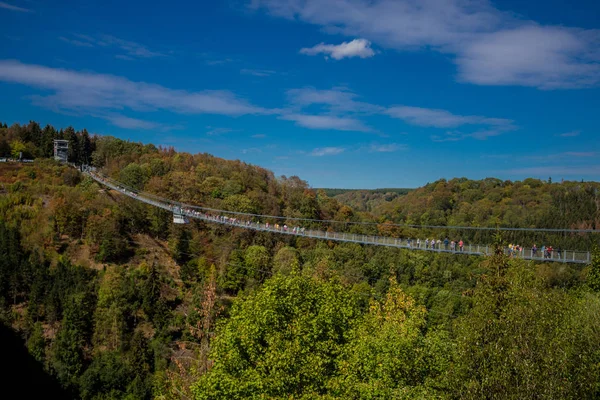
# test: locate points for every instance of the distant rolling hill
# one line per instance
(366, 199)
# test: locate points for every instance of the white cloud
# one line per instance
(212, 131)
(448, 137)
(488, 46)
(130, 123)
(387, 148)
(341, 110)
(76, 42)
(100, 95)
(251, 150)
(546, 57)
(87, 38)
(123, 57)
(491, 132)
(327, 151)
(570, 155)
(570, 134)
(134, 123)
(579, 154)
(215, 59)
(326, 122)
(7, 6)
(356, 48)
(436, 118)
(218, 62)
(433, 117)
(92, 93)
(132, 49)
(337, 99)
(259, 136)
(257, 72)
(483, 134)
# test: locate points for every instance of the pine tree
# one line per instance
(593, 279)
(36, 344)
(68, 347)
(70, 135)
(151, 292)
(47, 141)
(34, 133)
(85, 148)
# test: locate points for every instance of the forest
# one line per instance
(114, 301)
(365, 200)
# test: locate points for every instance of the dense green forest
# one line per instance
(336, 192)
(491, 202)
(365, 200)
(116, 302)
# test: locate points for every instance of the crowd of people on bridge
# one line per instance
(433, 244)
(237, 221)
(448, 245)
(547, 252)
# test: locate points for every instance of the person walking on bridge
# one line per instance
(446, 243)
(460, 245)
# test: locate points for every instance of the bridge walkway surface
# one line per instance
(249, 221)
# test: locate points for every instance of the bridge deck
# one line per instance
(216, 216)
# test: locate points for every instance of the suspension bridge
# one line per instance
(183, 212)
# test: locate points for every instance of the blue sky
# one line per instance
(343, 93)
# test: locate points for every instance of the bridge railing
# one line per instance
(565, 256)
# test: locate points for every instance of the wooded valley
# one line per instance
(114, 301)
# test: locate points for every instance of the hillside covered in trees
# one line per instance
(491, 202)
(365, 200)
(116, 302)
